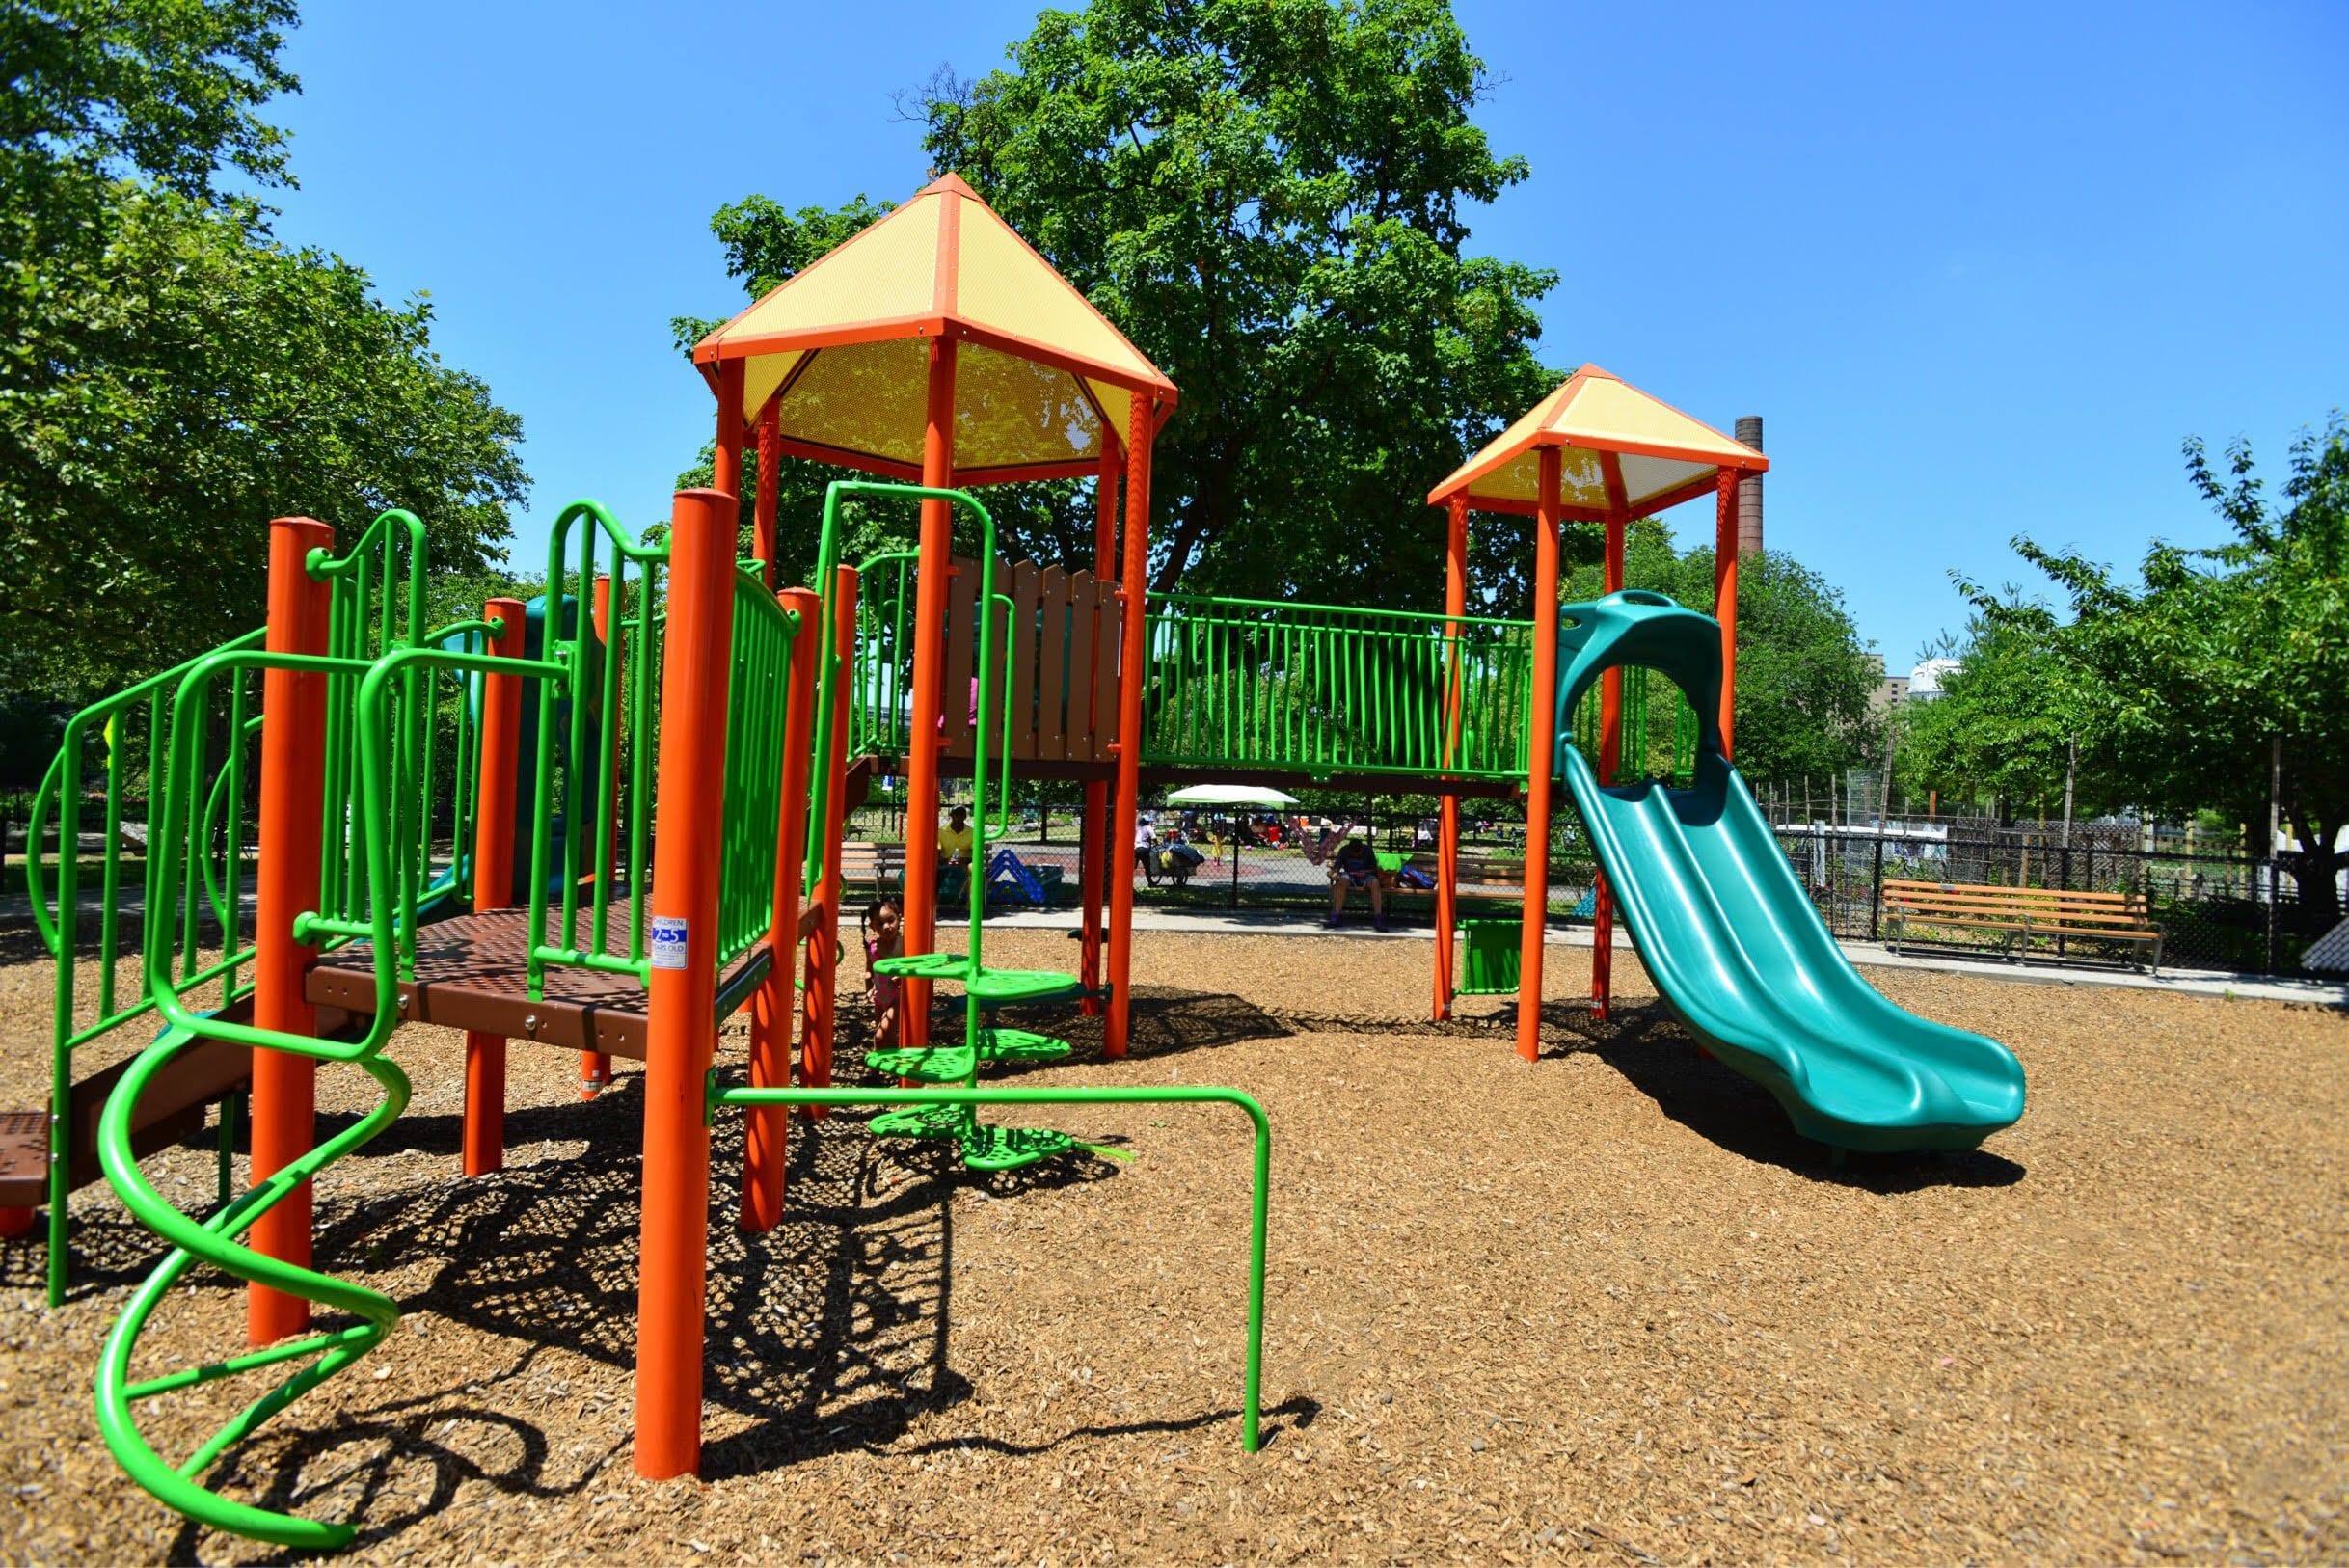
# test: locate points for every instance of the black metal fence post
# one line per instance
(2275, 890)
(1876, 891)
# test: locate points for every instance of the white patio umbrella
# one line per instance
(1229, 795)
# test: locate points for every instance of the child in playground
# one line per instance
(884, 938)
(1356, 865)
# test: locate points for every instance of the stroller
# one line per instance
(1171, 865)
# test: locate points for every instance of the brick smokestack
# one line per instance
(1749, 490)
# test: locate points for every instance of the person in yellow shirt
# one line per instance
(956, 843)
(954, 839)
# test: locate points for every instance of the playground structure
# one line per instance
(937, 351)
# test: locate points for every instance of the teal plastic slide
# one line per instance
(1731, 939)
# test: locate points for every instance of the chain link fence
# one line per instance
(2215, 906)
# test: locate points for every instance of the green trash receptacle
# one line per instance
(1493, 949)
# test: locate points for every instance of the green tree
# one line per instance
(1804, 678)
(2225, 653)
(1268, 196)
(169, 377)
(2010, 724)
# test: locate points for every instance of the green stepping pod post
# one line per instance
(1731, 938)
(985, 1147)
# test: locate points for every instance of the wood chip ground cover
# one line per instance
(1602, 1309)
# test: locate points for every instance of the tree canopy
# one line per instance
(1270, 199)
(2179, 687)
(173, 377)
(1804, 679)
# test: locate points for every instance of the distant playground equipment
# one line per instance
(677, 843)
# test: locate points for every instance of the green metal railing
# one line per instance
(599, 778)
(122, 738)
(757, 713)
(382, 727)
(881, 680)
(1326, 688)
(1323, 689)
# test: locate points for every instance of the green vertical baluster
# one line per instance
(112, 872)
(233, 849)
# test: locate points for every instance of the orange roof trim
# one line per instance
(1665, 456)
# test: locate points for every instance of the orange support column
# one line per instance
(1098, 858)
(595, 1066)
(1610, 744)
(824, 942)
(926, 700)
(293, 791)
(767, 1126)
(1540, 757)
(1447, 830)
(763, 497)
(1725, 593)
(1116, 1030)
(484, 1132)
(681, 1022)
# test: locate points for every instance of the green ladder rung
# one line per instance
(1003, 1044)
(926, 966)
(919, 1121)
(1000, 986)
(989, 1147)
(938, 1065)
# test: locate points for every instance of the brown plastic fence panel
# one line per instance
(1027, 588)
(1082, 601)
(962, 648)
(1052, 623)
(1105, 675)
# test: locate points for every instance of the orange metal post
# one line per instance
(595, 1066)
(762, 499)
(1098, 858)
(293, 791)
(926, 701)
(682, 1023)
(484, 1132)
(767, 1126)
(1540, 757)
(1610, 744)
(1116, 1030)
(1725, 593)
(824, 942)
(726, 472)
(1447, 830)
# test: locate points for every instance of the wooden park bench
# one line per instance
(877, 868)
(2017, 915)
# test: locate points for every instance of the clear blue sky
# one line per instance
(1980, 267)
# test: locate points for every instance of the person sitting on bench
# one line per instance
(1356, 865)
(954, 844)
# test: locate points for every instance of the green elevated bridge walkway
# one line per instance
(1235, 691)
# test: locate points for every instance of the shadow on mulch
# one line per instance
(1656, 1057)
(1163, 1021)
(829, 1333)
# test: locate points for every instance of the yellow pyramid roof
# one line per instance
(1041, 375)
(1665, 456)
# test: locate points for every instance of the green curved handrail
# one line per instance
(216, 1241)
(1260, 1189)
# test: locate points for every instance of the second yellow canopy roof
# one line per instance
(1667, 457)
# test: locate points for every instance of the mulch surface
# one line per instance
(1604, 1307)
